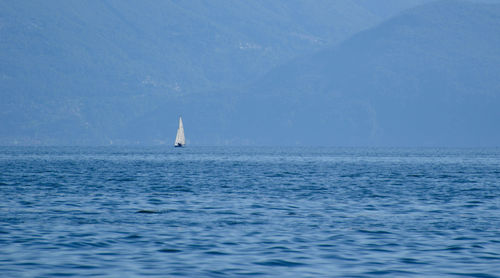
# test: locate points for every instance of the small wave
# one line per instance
(82, 266)
(279, 263)
(382, 250)
(231, 222)
(276, 175)
(355, 175)
(124, 179)
(60, 274)
(134, 236)
(226, 212)
(478, 275)
(495, 258)
(169, 250)
(147, 211)
(463, 181)
(337, 257)
(411, 261)
(374, 232)
(84, 244)
(181, 189)
(465, 238)
(218, 253)
(390, 272)
(252, 273)
(454, 248)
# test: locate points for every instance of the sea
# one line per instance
(249, 212)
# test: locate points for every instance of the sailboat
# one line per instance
(180, 140)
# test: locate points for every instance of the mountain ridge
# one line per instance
(126, 84)
(406, 81)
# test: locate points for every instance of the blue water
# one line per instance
(262, 212)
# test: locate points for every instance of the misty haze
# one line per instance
(263, 138)
(327, 73)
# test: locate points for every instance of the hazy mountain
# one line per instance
(428, 77)
(96, 72)
(78, 72)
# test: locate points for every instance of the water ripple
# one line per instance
(263, 212)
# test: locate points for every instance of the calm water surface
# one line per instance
(263, 212)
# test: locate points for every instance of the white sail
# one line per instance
(180, 140)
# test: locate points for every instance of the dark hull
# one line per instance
(178, 145)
